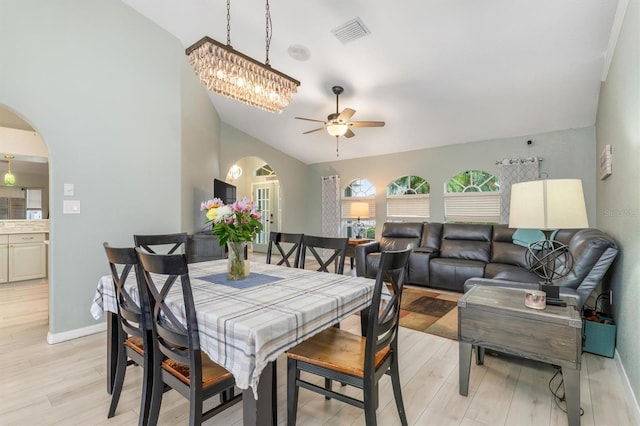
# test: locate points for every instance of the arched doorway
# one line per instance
(24, 206)
(255, 179)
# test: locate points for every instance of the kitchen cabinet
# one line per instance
(4, 258)
(25, 258)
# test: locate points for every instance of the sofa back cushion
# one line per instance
(504, 251)
(466, 241)
(400, 236)
(431, 236)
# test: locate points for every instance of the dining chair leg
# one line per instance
(147, 391)
(293, 374)
(370, 392)
(156, 393)
(397, 390)
(121, 368)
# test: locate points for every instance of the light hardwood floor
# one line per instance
(64, 384)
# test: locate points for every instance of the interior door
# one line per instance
(265, 195)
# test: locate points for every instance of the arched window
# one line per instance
(359, 201)
(472, 196)
(408, 199)
(265, 170)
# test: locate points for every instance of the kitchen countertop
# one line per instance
(22, 231)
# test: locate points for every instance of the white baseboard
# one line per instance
(53, 338)
(628, 390)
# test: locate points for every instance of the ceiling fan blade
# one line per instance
(346, 114)
(367, 123)
(314, 130)
(349, 134)
(309, 119)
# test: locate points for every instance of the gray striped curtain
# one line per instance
(514, 170)
(331, 206)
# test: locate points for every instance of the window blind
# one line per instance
(472, 207)
(410, 207)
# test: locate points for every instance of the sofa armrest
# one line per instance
(419, 265)
(564, 291)
(362, 250)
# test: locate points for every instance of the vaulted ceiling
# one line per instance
(438, 72)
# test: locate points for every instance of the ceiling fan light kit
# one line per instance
(225, 71)
(338, 123)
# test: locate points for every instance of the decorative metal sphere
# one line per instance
(549, 259)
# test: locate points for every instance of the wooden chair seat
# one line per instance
(136, 344)
(212, 373)
(351, 359)
(337, 350)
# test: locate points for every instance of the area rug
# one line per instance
(430, 311)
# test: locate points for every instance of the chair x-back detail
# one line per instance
(185, 367)
(318, 246)
(276, 239)
(171, 242)
(133, 326)
(349, 358)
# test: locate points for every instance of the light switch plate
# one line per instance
(68, 190)
(71, 206)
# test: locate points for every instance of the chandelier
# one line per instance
(230, 73)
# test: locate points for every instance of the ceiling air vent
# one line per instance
(351, 30)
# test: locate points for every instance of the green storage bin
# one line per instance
(600, 338)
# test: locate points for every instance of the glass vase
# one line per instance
(237, 262)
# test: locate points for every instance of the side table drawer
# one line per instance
(525, 337)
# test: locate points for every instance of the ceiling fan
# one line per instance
(338, 123)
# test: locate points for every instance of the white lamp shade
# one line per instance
(359, 210)
(548, 204)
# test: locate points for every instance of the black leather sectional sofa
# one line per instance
(446, 256)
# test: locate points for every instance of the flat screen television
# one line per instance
(225, 191)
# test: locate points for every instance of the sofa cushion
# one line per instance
(509, 254)
(451, 274)
(400, 236)
(431, 236)
(466, 241)
(510, 272)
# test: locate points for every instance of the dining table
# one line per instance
(245, 325)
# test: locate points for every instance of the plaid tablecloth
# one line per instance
(243, 326)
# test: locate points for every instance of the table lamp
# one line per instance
(548, 205)
(360, 210)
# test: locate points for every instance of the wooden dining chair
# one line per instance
(170, 243)
(290, 257)
(328, 252)
(133, 326)
(358, 361)
(178, 360)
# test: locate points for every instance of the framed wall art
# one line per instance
(605, 162)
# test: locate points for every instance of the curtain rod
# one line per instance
(518, 160)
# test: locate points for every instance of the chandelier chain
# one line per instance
(269, 29)
(229, 22)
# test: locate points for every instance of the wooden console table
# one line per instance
(351, 248)
(496, 318)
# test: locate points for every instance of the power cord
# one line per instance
(557, 398)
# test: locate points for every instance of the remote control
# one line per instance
(556, 302)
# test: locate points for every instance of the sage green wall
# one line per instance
(200, 147)
(566, 154)
(292, 174)
(618, 208)
(102, 85)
